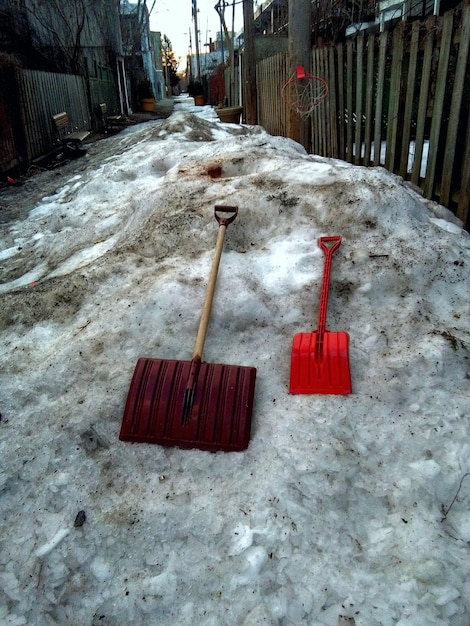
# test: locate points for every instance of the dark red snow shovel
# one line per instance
(192, 404)
(320, 360)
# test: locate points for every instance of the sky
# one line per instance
(344, 510)
(174, 19)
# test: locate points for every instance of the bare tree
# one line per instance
(220, 8)
(170, 63)
(60, 25)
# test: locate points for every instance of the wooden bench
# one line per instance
(71, 141)
(110, 121)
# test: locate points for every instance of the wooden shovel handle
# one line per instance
(206, 309)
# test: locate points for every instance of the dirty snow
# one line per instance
(343, 509)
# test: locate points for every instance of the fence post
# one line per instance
(423, 101)
(410, 91)
(454, 115)
(349, 100)
(394, 98)
(370, 81)
(249, 66)
(333, 104)
(341, 112)
(464, 195)
(379, 97)
(359, 80)
(437, 112)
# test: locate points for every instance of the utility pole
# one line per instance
(196, 32)
(299, 54)
(220, 8)
(249, 65)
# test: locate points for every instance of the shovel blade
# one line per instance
(322, 369)
(221, 411)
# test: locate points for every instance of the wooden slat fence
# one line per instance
(271, 75)
(399, 99)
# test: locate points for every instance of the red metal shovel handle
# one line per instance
(225, 221)
(328, 249)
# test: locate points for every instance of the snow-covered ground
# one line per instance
(411, 155)
(342, 510)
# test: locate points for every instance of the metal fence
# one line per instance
(28, 103)
(42, 95)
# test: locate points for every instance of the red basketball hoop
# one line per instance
(303, 91)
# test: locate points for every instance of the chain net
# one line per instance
(304, 93)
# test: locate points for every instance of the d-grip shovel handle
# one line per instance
(225, 221)
(232, 212)
(329, 250)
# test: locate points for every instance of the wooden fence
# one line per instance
(399, 99)
(271, 75)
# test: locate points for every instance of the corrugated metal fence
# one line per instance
(30, 100)
(399, 99)
(42, 95)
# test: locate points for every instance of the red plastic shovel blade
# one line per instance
(221, 412)
(324, 372)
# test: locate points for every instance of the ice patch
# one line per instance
(425, 469)
(84, 257)
(447, 226)
(9, 252)
(50, 545)
(241, 540)
(101, 569)
(365, 288)
(27, 279)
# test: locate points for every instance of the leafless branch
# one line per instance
(447, 510)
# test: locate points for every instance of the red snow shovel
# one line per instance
(320, 360)
(192, 404)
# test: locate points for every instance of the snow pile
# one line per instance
(338, 512)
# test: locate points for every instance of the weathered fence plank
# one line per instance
(316, 122)
(463, 212)
(349, 100)
(341, 110)
(410, 98)
(454, 115)
(370, 82)
(379, 96)
(392, 146)
(438, 106)
(359, 82)
(272, 111)
(333, 99)
(323, 106)
(326, 103)
(423, 100)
